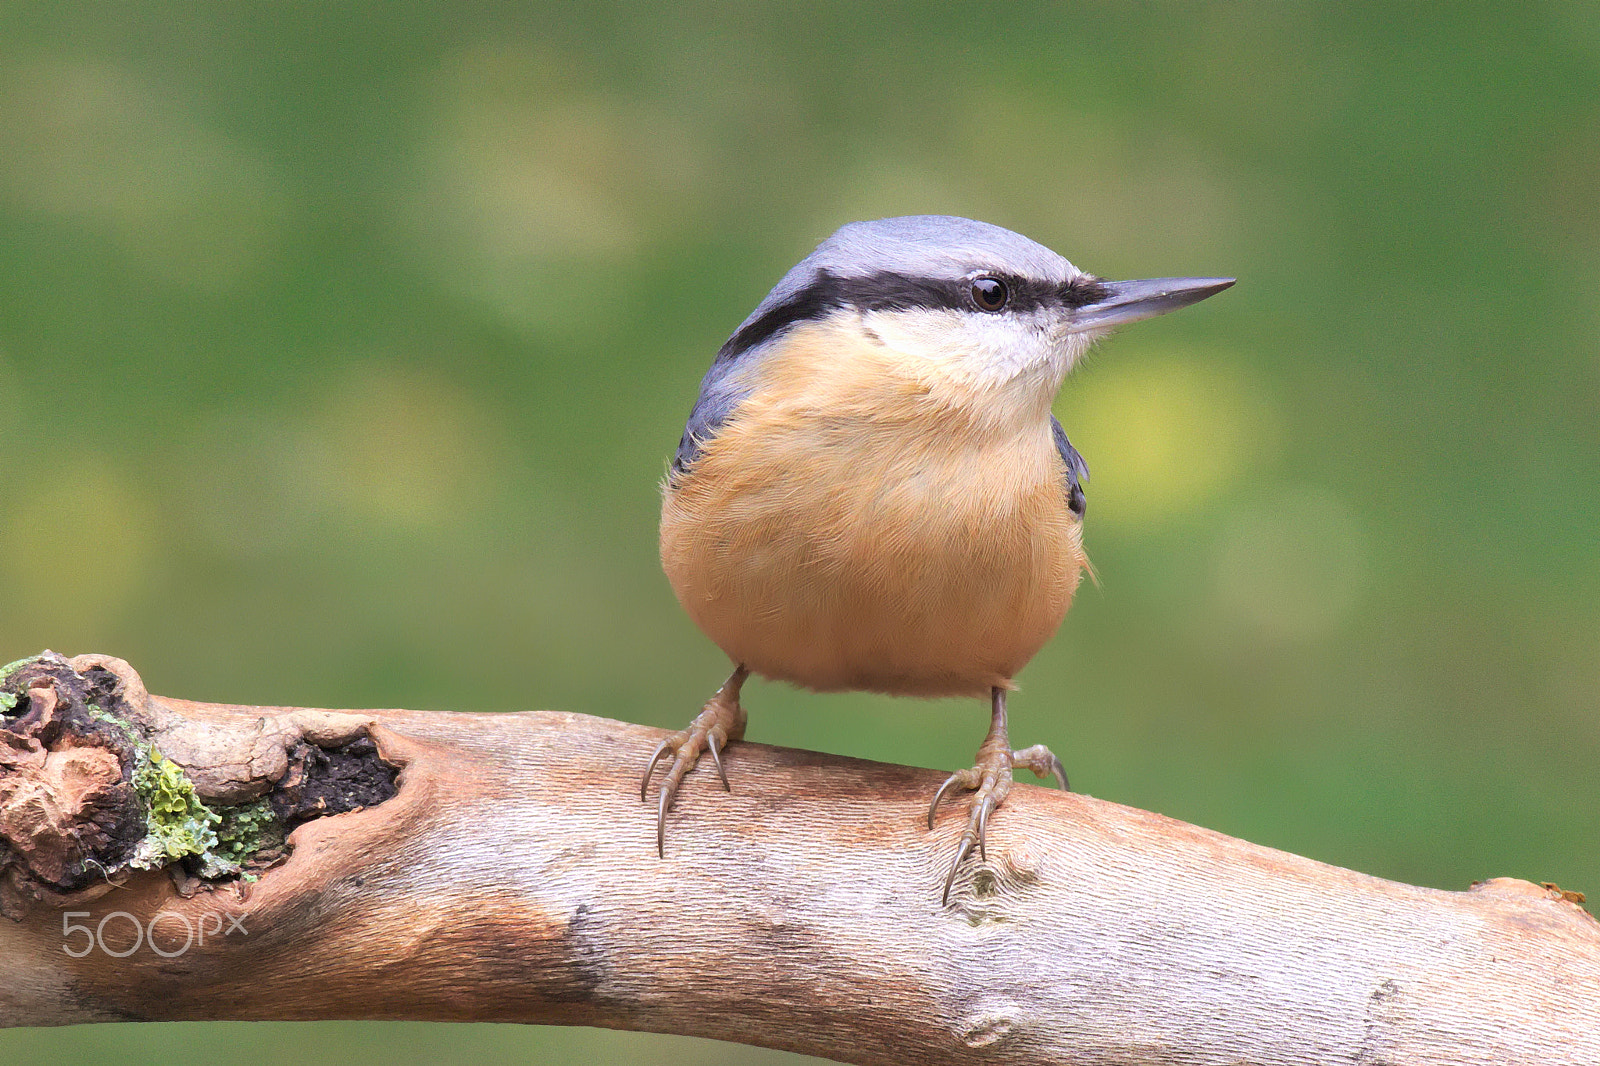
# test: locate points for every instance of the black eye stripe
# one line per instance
(887, 291)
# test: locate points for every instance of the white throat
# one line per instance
(1013, 363)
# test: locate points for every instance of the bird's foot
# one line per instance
(721, 721)
(991, 778)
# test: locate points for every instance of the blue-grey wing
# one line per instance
(720, 392)
(726, 384)
(808, 292)
(1077, 469)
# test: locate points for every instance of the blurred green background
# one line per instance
(343, 346)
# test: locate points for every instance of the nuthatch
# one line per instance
(871, 492)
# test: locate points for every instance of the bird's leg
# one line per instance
(721, 721)
(992, 779)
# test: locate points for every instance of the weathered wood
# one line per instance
(513, 877)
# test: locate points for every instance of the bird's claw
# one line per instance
(650, 767)
(715, 741)
(967, 779)
(1042, 761)
(721, 720)
(992, 780)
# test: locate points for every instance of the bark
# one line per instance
(508, 873)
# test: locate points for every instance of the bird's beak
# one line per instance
(1129, 301)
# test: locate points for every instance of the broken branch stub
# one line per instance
(97, 781)
(508, 872)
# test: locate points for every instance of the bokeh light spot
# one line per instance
(76, 550)
(92, 142)
(403, 448)
(1164, 433)
(537, 185)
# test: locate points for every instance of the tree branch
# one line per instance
(509, 874)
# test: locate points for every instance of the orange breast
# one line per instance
(848, 530)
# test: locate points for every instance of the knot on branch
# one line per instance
(68, 808)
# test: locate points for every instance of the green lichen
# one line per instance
(216, 843)
(10, 668)
(247, 829)
(100, 714)
(9, 700)
(178, 825)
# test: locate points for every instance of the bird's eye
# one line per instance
(990, 294)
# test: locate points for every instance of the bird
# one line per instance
(872, 493)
